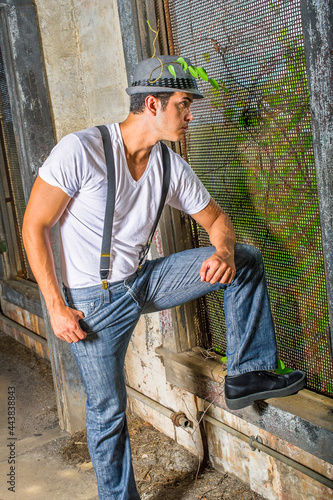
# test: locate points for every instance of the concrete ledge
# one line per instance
(303, 420)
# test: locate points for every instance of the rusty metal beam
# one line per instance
(317, 21)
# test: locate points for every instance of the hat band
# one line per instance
(179, 83)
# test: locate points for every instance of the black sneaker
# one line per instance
(243, 390)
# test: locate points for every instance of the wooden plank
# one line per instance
(23, 294)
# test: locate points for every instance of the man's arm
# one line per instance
(220, 267)
(45, 207)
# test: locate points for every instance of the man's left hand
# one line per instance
(218, 269)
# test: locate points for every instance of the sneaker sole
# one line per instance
(237, 404)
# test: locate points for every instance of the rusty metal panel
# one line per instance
(15, 198)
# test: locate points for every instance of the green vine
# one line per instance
(196, 72)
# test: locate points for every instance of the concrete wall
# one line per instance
(145, 373)
(84, 63)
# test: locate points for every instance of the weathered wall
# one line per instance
(84, 63)
(24, 335)
(145, 372)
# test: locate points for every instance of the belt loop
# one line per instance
(107, 295)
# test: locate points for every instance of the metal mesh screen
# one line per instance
(251, 145)
(15, 196)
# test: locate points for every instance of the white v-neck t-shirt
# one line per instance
(77, 166)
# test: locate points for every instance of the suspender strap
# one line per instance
(165, 188)
(104, 266)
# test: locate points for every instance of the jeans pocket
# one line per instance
(88, 307)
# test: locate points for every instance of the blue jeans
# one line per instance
(110, 318)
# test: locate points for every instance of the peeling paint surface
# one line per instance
(265, 475)
(269, 439)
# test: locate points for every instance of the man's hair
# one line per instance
(138, 101)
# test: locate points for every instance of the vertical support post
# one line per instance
(317, 22)
(68, 385)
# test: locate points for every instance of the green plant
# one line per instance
(196, 72)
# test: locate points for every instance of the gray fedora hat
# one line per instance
(152, 76)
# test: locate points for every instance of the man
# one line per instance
(98, 321)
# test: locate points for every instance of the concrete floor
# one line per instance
(40, 471)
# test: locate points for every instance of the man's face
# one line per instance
(172, 122)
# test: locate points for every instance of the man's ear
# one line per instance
(152, 104)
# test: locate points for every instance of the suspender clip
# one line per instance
(105, 284)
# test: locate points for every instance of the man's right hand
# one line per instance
(65, 324)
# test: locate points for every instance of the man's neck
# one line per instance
(138, 137)
(138, 140)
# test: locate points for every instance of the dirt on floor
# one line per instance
(164, 470)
